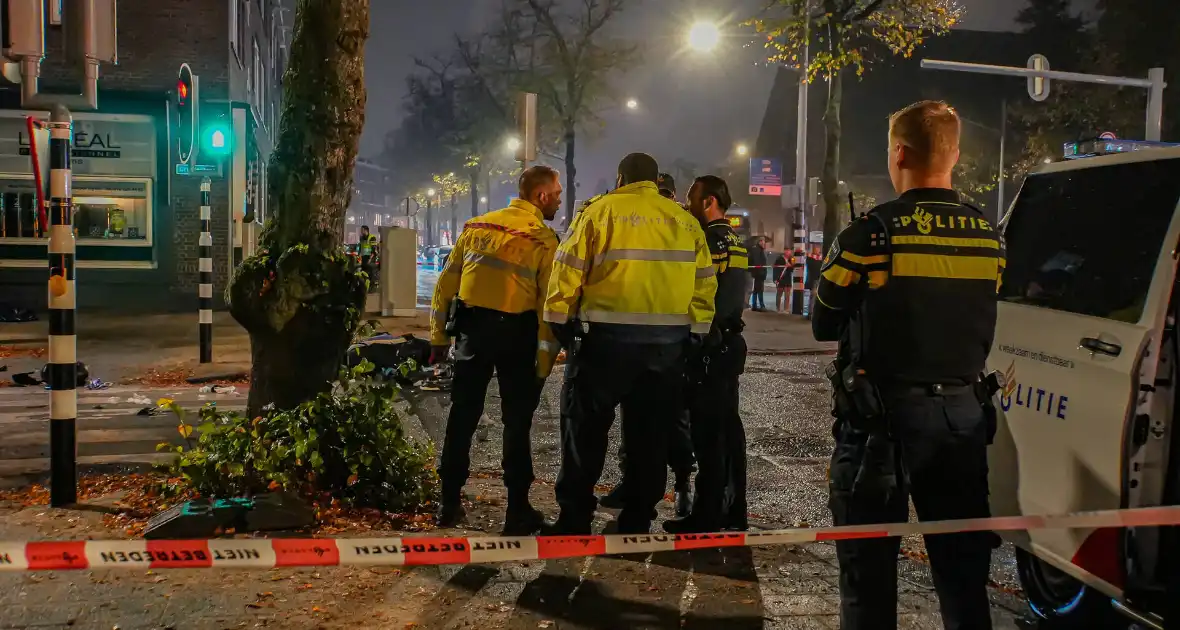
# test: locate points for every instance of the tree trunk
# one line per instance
(833, 217)
(473, 176)
(570, 174)
(454, 217)
(300, 297)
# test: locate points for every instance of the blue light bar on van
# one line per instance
(1093, 148)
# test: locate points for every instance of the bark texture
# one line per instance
(301, 298)
(571, 174)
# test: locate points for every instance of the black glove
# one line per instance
(564, 333)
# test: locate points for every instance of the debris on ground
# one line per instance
(218, 389)
(15, 352)
(178, 377)
(12, 314)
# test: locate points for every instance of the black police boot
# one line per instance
(522, 520)
(683, 496)
(450, 514)
(614, 499)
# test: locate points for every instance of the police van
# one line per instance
(1086, 338)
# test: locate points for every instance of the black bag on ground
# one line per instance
(388, 353)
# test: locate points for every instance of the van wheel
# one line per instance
(1058, 599)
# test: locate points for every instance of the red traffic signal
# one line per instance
(187, 115)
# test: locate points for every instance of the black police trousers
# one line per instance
(506, 344)
(680, 445)
(939, 453)
(718, 436)
(648, 381)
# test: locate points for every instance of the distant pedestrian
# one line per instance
(758, 273)
(781, 276)
(367, 250)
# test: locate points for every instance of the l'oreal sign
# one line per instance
(86, 144)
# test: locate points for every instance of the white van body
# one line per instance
(1086, 338)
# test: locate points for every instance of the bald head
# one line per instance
(638, 167)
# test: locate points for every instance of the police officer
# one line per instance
(718, 437)
(909, 290)
(680, 457)
(490, 293)
(366, 249)
(631, 283)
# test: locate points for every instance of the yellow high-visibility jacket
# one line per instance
(501, 262)
(637, 263)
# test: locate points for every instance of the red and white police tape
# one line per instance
(431, 550)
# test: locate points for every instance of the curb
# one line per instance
(805, 352)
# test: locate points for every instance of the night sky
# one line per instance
(691, 107)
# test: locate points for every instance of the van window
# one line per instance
(1087, 241)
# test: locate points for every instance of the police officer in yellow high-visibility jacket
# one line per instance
(632, 284)
(498, 270)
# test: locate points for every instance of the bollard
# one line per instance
(801, 259)
(62, 375)
(205, 269)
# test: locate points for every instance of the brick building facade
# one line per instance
(145, 254)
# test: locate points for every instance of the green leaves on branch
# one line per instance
(348, 442)
(850, 34)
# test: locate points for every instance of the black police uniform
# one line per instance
(910, 292)
(718, 437)
(680, 441)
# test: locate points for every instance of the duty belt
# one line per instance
(930, 390)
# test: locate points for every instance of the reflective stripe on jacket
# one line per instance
(367, 244)
(635, 260)
(502, 262)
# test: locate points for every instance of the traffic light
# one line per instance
(188, 116)
(217, 139)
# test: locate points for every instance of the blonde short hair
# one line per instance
(929, 130)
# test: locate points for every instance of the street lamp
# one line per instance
(432, 192)
(513, 144)
(742, 150)
(704, 36)
(483, 199)
(632, 104)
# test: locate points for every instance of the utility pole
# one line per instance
(797, 288)
(90, 40)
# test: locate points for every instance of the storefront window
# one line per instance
(107, 211)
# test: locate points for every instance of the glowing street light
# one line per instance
(432, 192)
(742, 150)
(704, 36)
(483, 199)
(632, 104)
(513, 144)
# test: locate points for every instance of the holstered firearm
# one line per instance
(453, 316)
(855, 398)
(985, 390)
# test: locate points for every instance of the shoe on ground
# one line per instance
(450, 515)
(683, 496)
(525, 521)
(613, 499)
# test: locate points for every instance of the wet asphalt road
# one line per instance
(784, 406)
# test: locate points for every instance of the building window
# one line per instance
(107, 211)
(240, 28)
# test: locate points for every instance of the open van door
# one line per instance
(1091, 266)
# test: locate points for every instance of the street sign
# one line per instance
(815, 237)
(766, 177)
(213, 170)
(1038, 87)
(1106, 135)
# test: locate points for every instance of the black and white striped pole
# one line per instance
(62, 372)
(205, 269)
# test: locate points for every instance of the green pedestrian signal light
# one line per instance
(216, 140)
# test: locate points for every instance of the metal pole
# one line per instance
(801, 170)
(1007, 71)
(62, 375)
(1003, 144)
(205, 270)
(1155, 104)
(429, 227)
